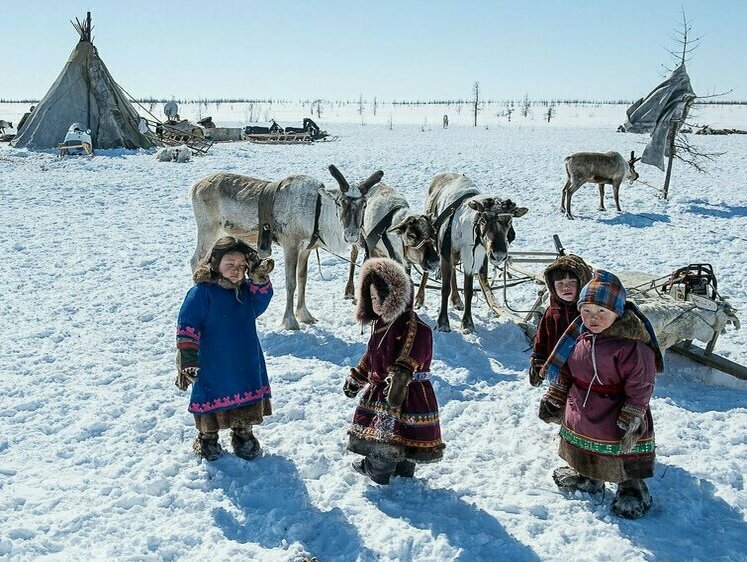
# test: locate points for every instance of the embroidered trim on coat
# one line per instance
(611, 448)
(235, 400)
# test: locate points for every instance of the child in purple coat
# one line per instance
(601, 376)
(396, 423)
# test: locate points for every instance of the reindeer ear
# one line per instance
(400, 229)
(511, 234)
(370, 182)
(476, 205)
(519, 211)
(344, 185)
(632, 154)
(331, 195)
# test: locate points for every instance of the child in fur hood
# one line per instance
(218, 350)
(396, 422)
(601, 376)
(564, 277)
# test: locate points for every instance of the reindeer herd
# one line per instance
(459, 225)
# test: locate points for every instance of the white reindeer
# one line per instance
(306, 216)
(411, 241)
(599, 168)
(471, 230)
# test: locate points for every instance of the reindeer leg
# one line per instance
(601, 197)
(290, 254)
(616, 195)
(443, 315)
(467, 325)
(302, 313)
(350, 287)
(568, 213)
(456, 299)
(564, 193)
(420, 297)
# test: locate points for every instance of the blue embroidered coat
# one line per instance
(223, 330)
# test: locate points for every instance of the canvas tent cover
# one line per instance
(84, 92)
(668, 103)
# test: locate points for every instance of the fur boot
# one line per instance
(568, 480)
(378, 470)
(632, 499)
(405, 469)
(245, 445)
(206, 446)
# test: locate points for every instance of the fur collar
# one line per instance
(387, 273)
(631, 326)
(628, 326)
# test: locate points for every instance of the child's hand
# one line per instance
(633, 422)
(351, 388)
(550, 412)
(535, 372)
(397, 382)
(260, 273)
(186, 376)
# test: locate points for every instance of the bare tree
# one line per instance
(525, 104)
(679, 146)
(476, 99)
(549, 112)
(375, 104)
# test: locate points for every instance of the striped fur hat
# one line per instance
(606, 290)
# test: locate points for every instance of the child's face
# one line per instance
(567, 289)
(597, 318)
(376, 304)
(233, 266)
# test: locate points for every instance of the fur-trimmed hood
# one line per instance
(390, 279)
(572, 263)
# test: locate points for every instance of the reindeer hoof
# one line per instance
(348, 297)
(457, 305)
(443, 327)
(468, 328)
(291, 323)
(306, 317)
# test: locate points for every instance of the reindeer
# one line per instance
(471, 230)
(305, 216)
(599, 168)
(410, 242)
(5, 125)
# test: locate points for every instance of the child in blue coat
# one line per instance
(218, 350)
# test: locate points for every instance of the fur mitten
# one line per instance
(536, 376)
(187, 367)
(187, 376)
(632, 420)
(351, 388)
(552, 405)
(396, 385)
(260, 274)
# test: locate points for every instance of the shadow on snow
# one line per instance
(273, 505)
(477, 533)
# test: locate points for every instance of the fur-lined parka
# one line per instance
(399, 338)
(626, 365)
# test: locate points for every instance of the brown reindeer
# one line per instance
(599, 168)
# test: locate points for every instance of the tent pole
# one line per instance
(672, 134)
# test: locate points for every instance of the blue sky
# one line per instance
(406, 49)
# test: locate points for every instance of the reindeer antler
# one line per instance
(370, 182)
(344, 185)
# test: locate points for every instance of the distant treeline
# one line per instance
(545, 102)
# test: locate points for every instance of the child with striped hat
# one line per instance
(601, 376)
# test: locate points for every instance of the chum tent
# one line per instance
(84, 92)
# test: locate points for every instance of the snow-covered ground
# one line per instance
(95, 439)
